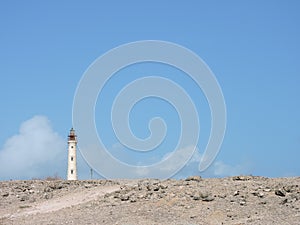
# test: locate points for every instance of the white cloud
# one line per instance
(222, 169)
(177, 160)
(37, 151)
(217, 169)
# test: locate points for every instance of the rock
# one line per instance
(48, 195)
(59, 186)
(163, 186)
(208, 198)
(196, 197)
(296, 196)
(202, 196)
(133, 199)
(87, 185)
(47, 189)
(279, 193)
(141, 196)
(258, 194)
(290, 188)
(156, 188)
(24, 198)
(222, 195)
(242, 203)
(6, 194)
(236, 193)
(193, 178)
(242, 178)
(124, 197)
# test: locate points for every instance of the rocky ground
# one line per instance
(232, 200)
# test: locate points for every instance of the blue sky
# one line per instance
(251, 46)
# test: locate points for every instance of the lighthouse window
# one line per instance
(71, 158)
(72, 146)
(71, 171)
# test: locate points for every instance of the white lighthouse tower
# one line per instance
(72, 167)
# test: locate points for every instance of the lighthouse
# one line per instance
(72, 167)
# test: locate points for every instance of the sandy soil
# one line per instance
(232, 200)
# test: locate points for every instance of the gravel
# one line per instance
(195, 200)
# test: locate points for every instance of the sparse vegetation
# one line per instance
(54, 177)
(24, 206)
(48, 178)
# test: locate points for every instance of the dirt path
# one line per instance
(68, 200)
